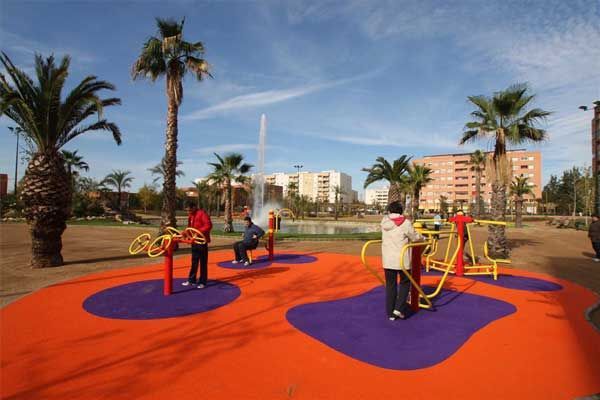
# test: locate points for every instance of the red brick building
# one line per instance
(3, 185)
(596, 151)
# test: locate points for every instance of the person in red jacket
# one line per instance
(199, 219)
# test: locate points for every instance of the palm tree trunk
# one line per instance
(228, 212)
(478, 194)
(46, 197)
(415, 204)
(519, 213)
(394, 193)
(169, 184)
(497, 234)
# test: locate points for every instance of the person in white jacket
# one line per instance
(396, 231)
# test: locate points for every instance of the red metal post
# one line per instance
(271, 233)
(460, 220)
(168, 284)
(415, 271)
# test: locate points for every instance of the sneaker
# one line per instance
(186, 283)
(246, 263)
(200, 286)
(399, 314)
(392, 318)
(596, 259)
(235, 262)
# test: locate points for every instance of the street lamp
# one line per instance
(298, 167)
(17, 131)
(595, 150)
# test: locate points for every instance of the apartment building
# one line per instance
(453, 178)
(596, 151)
(315, 185)
(377, 196)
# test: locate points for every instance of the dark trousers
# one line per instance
(199, 255)
(596, 246)
(240, 248)
(395, 298)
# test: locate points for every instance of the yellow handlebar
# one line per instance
(363, 258)
(489, 222)
(194, 234)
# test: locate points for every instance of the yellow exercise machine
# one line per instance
(414, 274)
(165, 245)
(452, 261)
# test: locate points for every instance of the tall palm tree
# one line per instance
(120, 180)
(506, 119)
(159, 170)
(477, 163)
(520, 187)
(337, 190)
(203, 188)
(229, 169)
(394, 173)
(171, 56)
(49, 122)
(418, 177)
(73, 162)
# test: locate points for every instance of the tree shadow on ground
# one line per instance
(164, 346)
(181, 251)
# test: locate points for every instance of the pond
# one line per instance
(328, 228)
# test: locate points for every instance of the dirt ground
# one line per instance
(565, 254)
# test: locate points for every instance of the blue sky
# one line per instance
(341, 82)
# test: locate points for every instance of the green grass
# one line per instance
(104, 222)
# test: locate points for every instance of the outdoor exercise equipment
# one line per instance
(283, 212)
(453, 261)
(274, 215)
(165, 245)
(414, 275)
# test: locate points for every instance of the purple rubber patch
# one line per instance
(293, 258)
(258, 263)
(510, 282)
(145, 300)
(358, 327)
(263, 261)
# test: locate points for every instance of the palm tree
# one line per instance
(337, 190)
(418, 177)
(519, 188)
(292, 192)
(160, 171)
(73, 162)
(119, 180)
(203, 188)
(171, 56)
(89, 185)
(394, 173)
(227, 170)
(50, 122)
(477, 163)
(506, 119)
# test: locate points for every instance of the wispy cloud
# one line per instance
(257, 99)
(25, 47)
(225, 148)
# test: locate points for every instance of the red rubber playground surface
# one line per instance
(305, 327)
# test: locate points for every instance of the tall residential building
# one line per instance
(315, 185)
(377, 196)
(596, 151)
(453, 178)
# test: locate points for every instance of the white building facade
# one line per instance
(377, 196)
(316, 185)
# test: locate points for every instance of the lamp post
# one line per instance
(595, 151)
(298, 168)
(17, 131)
